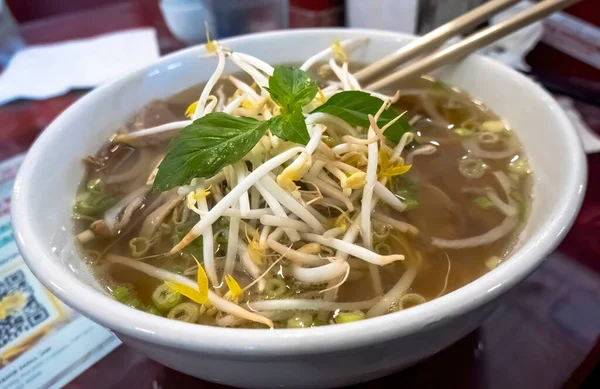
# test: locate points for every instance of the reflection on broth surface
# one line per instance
(448, 183)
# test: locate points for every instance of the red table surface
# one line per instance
(544, 333)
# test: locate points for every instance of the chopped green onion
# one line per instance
(493, 262)
(182, 229)
(488, 138)
(139, 246)
(121, 294)
(349, 317)
(166, 228)
(472, 168)
(329, 141)
(411, 300)
(173, 268)
(463, 132)
(493, 126)
(93, 201)
(221, 239)
(318, 323)
(95, 186)
(406, 190)
(186, 312)
(91, 257)
(518, 198)
(300, 321)
(165, 298)
(153, 310)
(411, 204)
(275, 287)
(483, 202)
(383, 249)
(179, 216)
(222, 222)
(520, 167)
(137, 304)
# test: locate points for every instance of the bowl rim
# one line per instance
(258, 342)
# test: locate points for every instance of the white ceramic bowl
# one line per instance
(316, 357)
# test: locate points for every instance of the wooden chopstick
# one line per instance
(473, 42)
(435, 38)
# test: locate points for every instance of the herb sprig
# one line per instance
(216, 140)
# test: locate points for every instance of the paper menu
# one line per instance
(43, 343)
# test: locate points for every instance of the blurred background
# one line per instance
(546, 333)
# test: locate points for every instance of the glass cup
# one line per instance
(10, 38)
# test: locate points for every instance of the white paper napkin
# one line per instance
(40, 72)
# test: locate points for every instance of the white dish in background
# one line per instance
(315, 357)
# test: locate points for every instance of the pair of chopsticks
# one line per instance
(434, 39)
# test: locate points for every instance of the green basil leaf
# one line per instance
(290, 126)
(206, 146)
(353, 107)
(291, 88)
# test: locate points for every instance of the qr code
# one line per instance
(19, 323)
